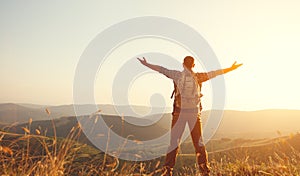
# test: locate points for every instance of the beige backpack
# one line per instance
(187, 91)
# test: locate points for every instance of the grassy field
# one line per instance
(33, 152)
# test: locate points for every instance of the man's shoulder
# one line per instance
(172, 74)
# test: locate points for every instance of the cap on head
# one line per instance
(188, 62)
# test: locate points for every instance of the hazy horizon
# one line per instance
(168, 107)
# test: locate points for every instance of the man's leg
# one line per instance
(195, 126)
(177, 129)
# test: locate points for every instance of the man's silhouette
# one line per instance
(186, 109)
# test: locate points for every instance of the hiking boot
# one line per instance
(204, 169)
(167, 171)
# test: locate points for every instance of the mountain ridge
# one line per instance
(234, 124)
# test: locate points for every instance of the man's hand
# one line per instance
(235, 66)
(143, 61)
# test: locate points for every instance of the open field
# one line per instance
(57, 146)
(31, 153)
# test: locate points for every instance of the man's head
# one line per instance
(188, 62)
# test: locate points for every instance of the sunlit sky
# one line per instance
(41, 43)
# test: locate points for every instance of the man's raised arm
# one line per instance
(151, 66)
(209, 75)
(172, 74)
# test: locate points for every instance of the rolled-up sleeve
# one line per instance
(172, 74)
(202, 77)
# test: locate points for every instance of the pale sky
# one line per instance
(41, 43)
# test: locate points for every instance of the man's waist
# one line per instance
(190, 110)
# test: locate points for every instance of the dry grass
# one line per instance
(33, 153)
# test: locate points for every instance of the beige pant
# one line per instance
(195, 126)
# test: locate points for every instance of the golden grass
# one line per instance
(34, 154)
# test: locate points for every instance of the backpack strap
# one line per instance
(175, 88)
(173, 93)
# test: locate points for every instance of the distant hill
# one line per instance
(234, 124)
(11, 113)
(64, 125)
(259, 124)
(29, 105)
(250, 124)
(218, 147)
(227, 140)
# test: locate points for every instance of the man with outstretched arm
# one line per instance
(187, 109)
